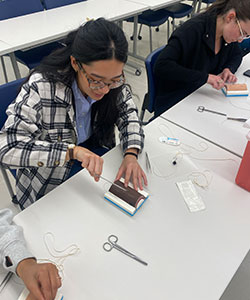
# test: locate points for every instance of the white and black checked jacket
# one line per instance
(40, 125)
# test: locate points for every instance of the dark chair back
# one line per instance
(8, 93)
(149, 98)
(48, 4)
(150, 18)
(15, 8)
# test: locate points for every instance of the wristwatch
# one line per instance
(71, 151)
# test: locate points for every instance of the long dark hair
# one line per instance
(96, 40)
(241, 7)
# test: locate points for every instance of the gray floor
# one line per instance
(239, 288)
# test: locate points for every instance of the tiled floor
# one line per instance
(239, 288)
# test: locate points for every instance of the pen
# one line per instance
(123, 189)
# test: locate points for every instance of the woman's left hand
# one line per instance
(131, 169)
(228, 76)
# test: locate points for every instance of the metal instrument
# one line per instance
(5, 280)
(148, 164)
(202, 108)
(112, 243)
(113, 183)
(237, 119)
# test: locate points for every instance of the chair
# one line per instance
(8, 93)
(151, 19)
(14, 8)
(149, 98)
(208, 1)
(48, 4)
(178, 11)
(204, 1)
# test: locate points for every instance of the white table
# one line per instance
(190, 256)
(47, 26)
(4, 47)
(227, 134)
(56, 23)
(156, 4)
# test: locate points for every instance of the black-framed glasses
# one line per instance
(98, 84)
(244, 36)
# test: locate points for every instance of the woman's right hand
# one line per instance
(215, 81)
(90, 161)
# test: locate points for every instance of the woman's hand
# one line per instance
(90, 161)
(215, 81)
(42, 280)
(228, 76)
(130, 168)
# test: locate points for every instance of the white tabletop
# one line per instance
(46, 26)
(156, 4)
(227, 134)
(190, 256)
(4, 47)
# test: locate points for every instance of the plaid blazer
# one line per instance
(40, 125)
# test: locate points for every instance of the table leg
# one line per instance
(133, 65)
(4, 70)
(14, 65)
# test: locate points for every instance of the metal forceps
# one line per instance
(5, 280)
(202, 108)
(112, 243)
(148, 164)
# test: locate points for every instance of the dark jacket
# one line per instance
(245, 47)
(184, 64)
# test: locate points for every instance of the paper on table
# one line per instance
(191, 197)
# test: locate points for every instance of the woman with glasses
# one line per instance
(203, 50)
(65, 114)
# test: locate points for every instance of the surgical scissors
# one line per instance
(5, 280)
(202, 108)
(112, 243)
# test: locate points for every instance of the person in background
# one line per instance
(203, 50)
(42, 280)
(66, 113)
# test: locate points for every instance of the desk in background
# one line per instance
(190, 256)
(50, 25)
(156, 4)
(56, 23)
(227, 134)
